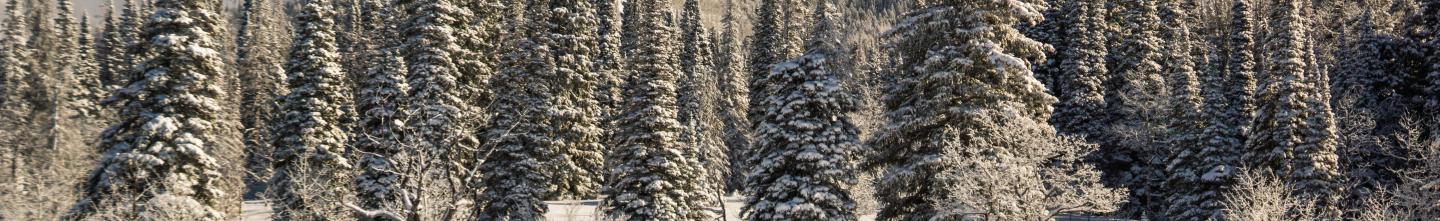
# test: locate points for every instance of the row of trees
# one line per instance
(444, 110)
(1228, 99)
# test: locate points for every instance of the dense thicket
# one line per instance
(902, 110)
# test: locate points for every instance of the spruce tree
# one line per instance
(805, 154)
(545, 131)
(521, 130)
(1292, 137)
(110, 50)
(1423, 29)
(86, 89)
(476, 30)
(310, 142)
(1317, 172)
(384, 156)
(262, 38)
(1314, 168)
(157, 158)
(1186, 124)
(440, 113)
(1276, 130)
(697, 97)
(1081, 70)
(379, 133)
(731, 71)
(13, 66)
(773, 41)
(132, 16)
(1049, 32)
(608, 61)
(577, 170)
(1135, 102)
(959, 143)
(1199, 178)
(651, 177)
(61, 49)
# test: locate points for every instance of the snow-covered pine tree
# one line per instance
(650, 177)
(157, 159)
(1293, 137)
(1277, 126)
(263, 36)
(384, 157)
(1240, 65)
(959, 143)
(13, 66)
(627, 34)
(1361, 64)
(1135, 104)
(439, 111)
(63, 53)
(1199, 178)
(545, 133)
(477, 31)
(577, 171)
(806, 148)
(1425, 25)
(1319, 177)
(86, 90)
(773, 41)
(132, 16)
(379, 133)
(521, 133)
(731, 71)
(110, 50)
(311, 169)
(698, 95)
(38, 56)
(1186, 124)
(1081, 69)
(608, 62)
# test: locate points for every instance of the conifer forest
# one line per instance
(703, 110)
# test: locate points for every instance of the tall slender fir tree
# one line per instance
(773, 41)
(86, 89)
(310, 142)
(439, 108)
(651, 177)
(1201, 178)
(110, 50)
(1186, 124)
(262, 37)
(1081, 69)
(1135, 105)
(12, 54)
(731, 69)
(697, 97)
(380, 132)
(520, 132)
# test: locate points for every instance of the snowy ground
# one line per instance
(559, 210)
